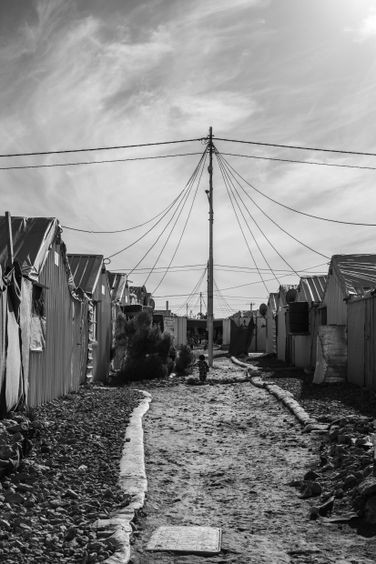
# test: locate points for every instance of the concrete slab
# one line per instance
(192, 540)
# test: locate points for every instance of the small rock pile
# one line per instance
(343, 481)
(15, 434)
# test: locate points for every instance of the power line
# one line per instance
(183, 230)
(180, 196)
(253, 219)
(180, 205)
(100, 148)
(295, 161)
(268, 216)
(298, 147)
(127, 228)
(78, 163)
(305, 213)
(240, 226)
(224, 267)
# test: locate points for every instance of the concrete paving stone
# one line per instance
(193, 540)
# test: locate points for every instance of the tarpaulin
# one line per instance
(241, 337)
(13, 361)
(25, 324)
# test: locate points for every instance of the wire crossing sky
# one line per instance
(105, 109)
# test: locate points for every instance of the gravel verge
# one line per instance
(324, 401)
(68, 481)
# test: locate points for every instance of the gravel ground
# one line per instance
(68, 480)
(324, 402)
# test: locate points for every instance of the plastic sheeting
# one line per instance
(331, 360)
(13, 361)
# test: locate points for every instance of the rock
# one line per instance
(311, 489)
(326, 507)
(369, 512)
(367, 488)
(311, 475)
(349, 482)
(13, 497)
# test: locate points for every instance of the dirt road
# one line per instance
(222, 455)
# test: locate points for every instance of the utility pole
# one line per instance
(200, 305)
(211, 261)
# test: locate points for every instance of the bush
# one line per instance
(147, 350)
(184, 360)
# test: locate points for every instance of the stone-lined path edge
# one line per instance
(308, 422)
(132, 481)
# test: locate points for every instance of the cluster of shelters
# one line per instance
(328, 323)
(57, 313)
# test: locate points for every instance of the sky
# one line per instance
(78, 74)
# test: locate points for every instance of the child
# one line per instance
(202, 367)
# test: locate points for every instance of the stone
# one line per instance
(349, 482)
(369, 511)
(192, 540)
(368, 487)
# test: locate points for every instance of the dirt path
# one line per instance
(222, 455)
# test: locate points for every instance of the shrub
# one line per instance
(184, 360)
(147, 350)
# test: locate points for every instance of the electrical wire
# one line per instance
(183, 230)
(298, 147)
(219, 293)
(101, 148)
(177, 211)
(272, 220)
(128, 228)
(234, 190)
(300, 212)
(79, 163)
(261, 231)
(192, 293)
(295, 161)
(180, 196)
(222, 268)
(241, 229)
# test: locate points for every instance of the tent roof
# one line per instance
(32, 237)
(86, 270)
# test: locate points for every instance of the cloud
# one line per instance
(367, 28)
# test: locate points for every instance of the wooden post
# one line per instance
(211, 261)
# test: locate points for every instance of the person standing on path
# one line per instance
(203, 368)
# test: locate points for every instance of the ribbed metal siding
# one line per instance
(370, 343)
(355, 342)
(58, 369)
(361, 333)
(104, 330)
(333, 299)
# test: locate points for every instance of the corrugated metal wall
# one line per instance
(271, 332)
(333, 300)
(370, 343)
(361, 337)
(281, 334)
(355, 342)
(102, 349)
(58, 369)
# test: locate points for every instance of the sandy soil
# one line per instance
(222, 455)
